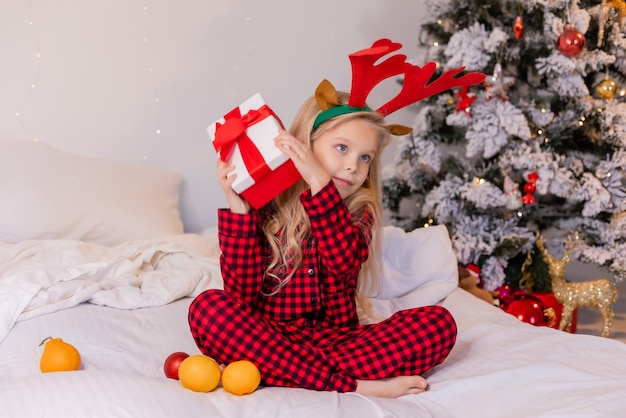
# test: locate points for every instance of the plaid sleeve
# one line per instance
(342, 240)
(240, 261)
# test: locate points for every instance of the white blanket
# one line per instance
(40, 277)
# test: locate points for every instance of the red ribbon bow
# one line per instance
(233, 132)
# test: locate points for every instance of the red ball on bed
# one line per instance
(172, 363)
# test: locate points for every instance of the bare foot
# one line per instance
(392, 387)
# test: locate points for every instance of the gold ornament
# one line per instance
(599, 294)
(619, 6)
(550, 316)
(526, 281)
(606, 89)
(614, 10)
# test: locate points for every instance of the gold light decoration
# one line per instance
(599, 294)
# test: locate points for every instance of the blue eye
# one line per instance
(342, 148)
(366, 158)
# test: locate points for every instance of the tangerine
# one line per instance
(241, 377)
(199, 373)
(58, 356)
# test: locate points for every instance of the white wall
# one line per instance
(112, 73)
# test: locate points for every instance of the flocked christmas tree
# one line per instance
(541, 146)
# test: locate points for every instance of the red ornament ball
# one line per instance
(172, 364)
(505, 293)
(530, 188)
(528, 199)
(571, 42)
(526, 310)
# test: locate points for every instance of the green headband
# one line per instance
(332, 112)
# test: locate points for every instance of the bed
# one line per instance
(113, 274)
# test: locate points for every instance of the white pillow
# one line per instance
(419, 268)
(49, 194)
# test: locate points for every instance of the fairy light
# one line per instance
(478, 181)
(34, 82)
(239, 68)
(150, 68)
(604, 176)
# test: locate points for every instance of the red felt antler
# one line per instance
(366, 74)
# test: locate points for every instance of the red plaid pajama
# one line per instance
(307, 335)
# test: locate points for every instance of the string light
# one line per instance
(35, 81)
(240, 67)
(150, 68)
(478, 181)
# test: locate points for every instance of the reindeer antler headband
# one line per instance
(366, 74)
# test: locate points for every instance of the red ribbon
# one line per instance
(233, 132)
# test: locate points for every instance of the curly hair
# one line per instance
(288, 224)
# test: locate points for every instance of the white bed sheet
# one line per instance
(500, 367)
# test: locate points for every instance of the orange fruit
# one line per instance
(199, 373)
(58, 356)
(241, 377)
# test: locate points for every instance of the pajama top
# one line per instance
(322, 291)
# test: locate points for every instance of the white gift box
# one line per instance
(262, 133)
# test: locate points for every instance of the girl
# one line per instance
(290, 271)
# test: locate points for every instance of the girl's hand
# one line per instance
(235, 202)
(306, 163)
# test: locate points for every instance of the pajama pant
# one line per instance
(297, 355)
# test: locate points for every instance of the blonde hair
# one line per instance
(288, 224)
